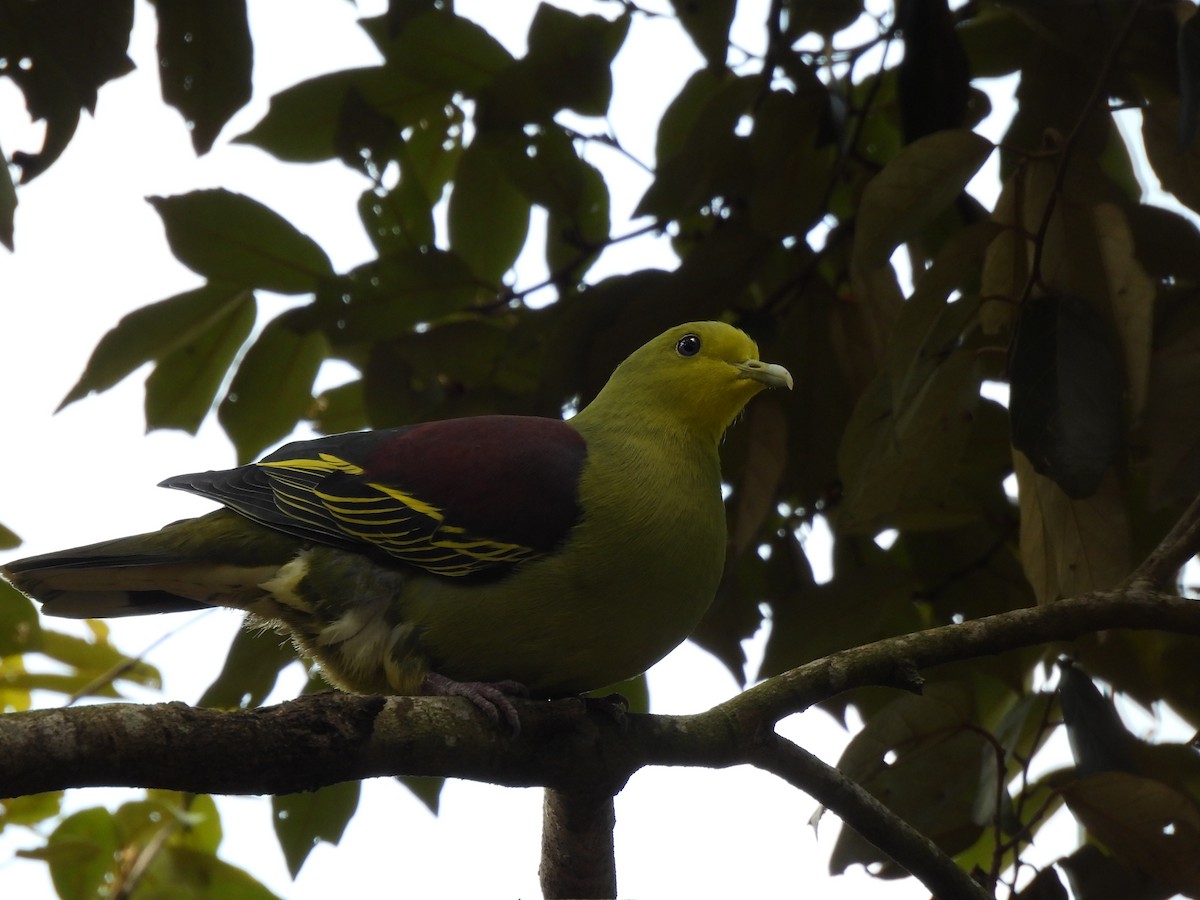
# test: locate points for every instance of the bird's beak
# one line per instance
(767, 373)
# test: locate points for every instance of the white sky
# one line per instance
(89, 249)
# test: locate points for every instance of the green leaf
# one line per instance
(792, 164)
(688, 178)
(181, 389)
(340, 409)
(205, 57)
(8, 539)
(251, 668)
(707, 24)
(97, 659)
(916, 185)
(183, 872)
(385, 298)
(153, 332)
(30, 809)
(568, 66)
(447, 51)
(547, 169)
(231, 238)
(83, 853)
(21, 630)
(197, 814)
(301, 820)
(488, 215)
(399, 219)
(272, 389)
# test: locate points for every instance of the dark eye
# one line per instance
(689, 345)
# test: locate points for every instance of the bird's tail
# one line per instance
(220, 559)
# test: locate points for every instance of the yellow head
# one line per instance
(698, 375)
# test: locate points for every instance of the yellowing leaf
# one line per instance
(1143, 822)
(1131, 292)
(1070, 547)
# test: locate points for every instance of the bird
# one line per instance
(486, 557)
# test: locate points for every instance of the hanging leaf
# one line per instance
(301, 820)
(153, 332)
(205, 58)
(1065, 404)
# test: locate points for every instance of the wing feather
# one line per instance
(454, 498)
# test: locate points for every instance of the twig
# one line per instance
(912, 850)
(1159, 570)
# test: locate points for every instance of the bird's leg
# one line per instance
(491, 697)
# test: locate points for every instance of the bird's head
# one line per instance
(700, 374)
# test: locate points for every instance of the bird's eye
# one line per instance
(688, 345)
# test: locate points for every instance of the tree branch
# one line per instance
(868, 817)
(326, 738)
(577, 845)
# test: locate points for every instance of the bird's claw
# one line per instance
(492, 698)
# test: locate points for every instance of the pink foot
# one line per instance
(491, 697)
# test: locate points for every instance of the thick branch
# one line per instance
(327, 738)
(577, 845)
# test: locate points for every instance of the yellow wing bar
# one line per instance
(399, 523)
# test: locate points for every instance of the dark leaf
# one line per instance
(922, 757)
(1189, 80)
(181, 389)
(568, 66)
(1099, 740)
(933, 76)
(301, 820)
(1065, 405)
(233, 239)
(1096, 876)
(251, 669)
(66, 65)
(205, 57)
(488, 215)
(272, 388)
(707, 24)
(153, 332)
(446, 51)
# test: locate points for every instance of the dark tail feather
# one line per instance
(216, 560)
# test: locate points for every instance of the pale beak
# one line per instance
(767, 373)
